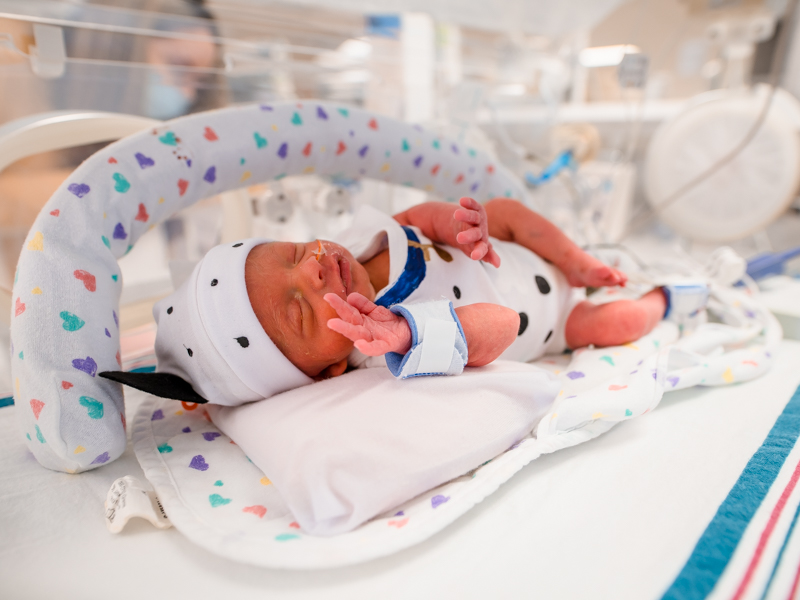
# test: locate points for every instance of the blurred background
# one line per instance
(661, 129)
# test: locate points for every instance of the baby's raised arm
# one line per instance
(511, 221)
(488, 328)
(469, 228)
(465, 228)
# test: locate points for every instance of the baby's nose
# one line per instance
(314, 272)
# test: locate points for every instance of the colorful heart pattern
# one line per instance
(87, 365)
(37, 242)
(142, 215)
(121, 184)
(399, 523)
(198, 462)
(94, 407)
(256, 510)
(144, 161)
(71, 322)
(36, 407)
(125, 189)
(169, 139)
(79, 189)
(101, 459)
(438, 500)
(89, 280)
(217, 500)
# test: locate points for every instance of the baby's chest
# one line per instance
(522, 282)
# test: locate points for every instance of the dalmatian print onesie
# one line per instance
(420, 270)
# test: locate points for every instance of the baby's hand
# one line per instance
(375, 330)
(472, 231)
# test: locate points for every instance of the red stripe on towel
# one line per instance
(794, 585)
(765, 535)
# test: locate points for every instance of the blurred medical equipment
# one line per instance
(749, 191)
(770, 263)
(696, 186)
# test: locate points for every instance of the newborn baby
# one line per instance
(317, 300)
(428, 291)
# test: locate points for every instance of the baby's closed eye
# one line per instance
(295, 315)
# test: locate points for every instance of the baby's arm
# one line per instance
(488, 328)
(470, 226)
(465, 228)
(511, 221)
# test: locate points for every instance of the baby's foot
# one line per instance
(590, 272)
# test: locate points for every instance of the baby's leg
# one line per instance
(614, 323)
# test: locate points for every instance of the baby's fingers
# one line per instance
(373, 348)
(623, 278)
(492, 258)
(472, 217)
(468, 236)
(479, 251)
(351, 332)
(345, 311)
(470, 203)
(361, 303)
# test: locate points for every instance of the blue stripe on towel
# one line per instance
(715, 547)
(780, 554)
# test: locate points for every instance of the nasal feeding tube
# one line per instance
(319, 253)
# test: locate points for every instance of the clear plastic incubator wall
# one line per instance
(654, 132)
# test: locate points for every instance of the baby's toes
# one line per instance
(602, 276)
(622, 279)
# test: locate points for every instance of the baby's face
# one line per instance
(286, 283)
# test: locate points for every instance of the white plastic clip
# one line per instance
(127, 498)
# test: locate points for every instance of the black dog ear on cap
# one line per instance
(163, 385)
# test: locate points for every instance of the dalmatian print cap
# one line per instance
(209, 335)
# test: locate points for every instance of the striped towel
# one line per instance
(751, 548)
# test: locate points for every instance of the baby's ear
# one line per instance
(164, 385)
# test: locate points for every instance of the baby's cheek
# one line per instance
(331, 348)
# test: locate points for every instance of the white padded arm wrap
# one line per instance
(438, 345)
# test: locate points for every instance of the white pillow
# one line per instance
(345, 450)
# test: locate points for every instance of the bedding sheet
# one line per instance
(213, 478)
(616, 518)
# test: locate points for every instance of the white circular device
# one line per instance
(746, 194)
